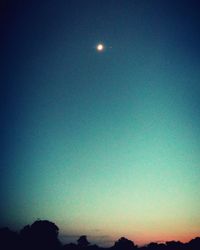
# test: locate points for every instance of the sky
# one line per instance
(102, 143)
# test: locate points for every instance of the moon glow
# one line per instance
(100, 47)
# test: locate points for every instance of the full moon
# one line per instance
(100, 47)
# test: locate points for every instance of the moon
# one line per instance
(100, 47)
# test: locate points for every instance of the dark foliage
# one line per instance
(43, 235)
(9, 239)
(83, 242)
(124, 243)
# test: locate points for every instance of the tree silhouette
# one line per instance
(194, 244)
(83, 242)
(124, 243)
(156, 246)
(8, 239)
(42, 234)
(174, 245)
(153, 246)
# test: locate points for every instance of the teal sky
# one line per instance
(102, 143)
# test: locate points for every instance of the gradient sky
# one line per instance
(103, 144)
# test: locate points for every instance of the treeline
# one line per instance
(43, 235)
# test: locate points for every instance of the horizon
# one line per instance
(103, 241)
(97, 240)
(101, 117)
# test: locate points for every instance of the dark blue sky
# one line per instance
(89, 135)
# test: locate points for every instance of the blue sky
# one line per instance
(103, 144)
